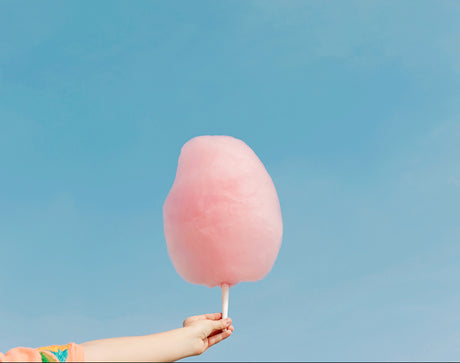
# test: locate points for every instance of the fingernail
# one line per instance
(227, 321)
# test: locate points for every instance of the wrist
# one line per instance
(191, 342)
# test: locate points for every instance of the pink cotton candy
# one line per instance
(222, 217)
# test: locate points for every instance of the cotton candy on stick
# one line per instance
(222, 217)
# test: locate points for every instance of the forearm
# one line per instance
(162, 347)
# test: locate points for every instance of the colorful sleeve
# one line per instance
(54, 353)
(62, 353)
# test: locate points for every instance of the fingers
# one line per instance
(219, 337)
(231, 328)
(214, 316)
(221, 324)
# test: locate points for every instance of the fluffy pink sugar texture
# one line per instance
(222, 217)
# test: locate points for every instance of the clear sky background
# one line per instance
(353, 107)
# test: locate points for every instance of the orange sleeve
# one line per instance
(54, 353)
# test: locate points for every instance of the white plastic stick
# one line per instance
(225, 293)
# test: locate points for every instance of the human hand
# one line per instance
(207, 330)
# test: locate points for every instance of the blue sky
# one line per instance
(354, 109)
